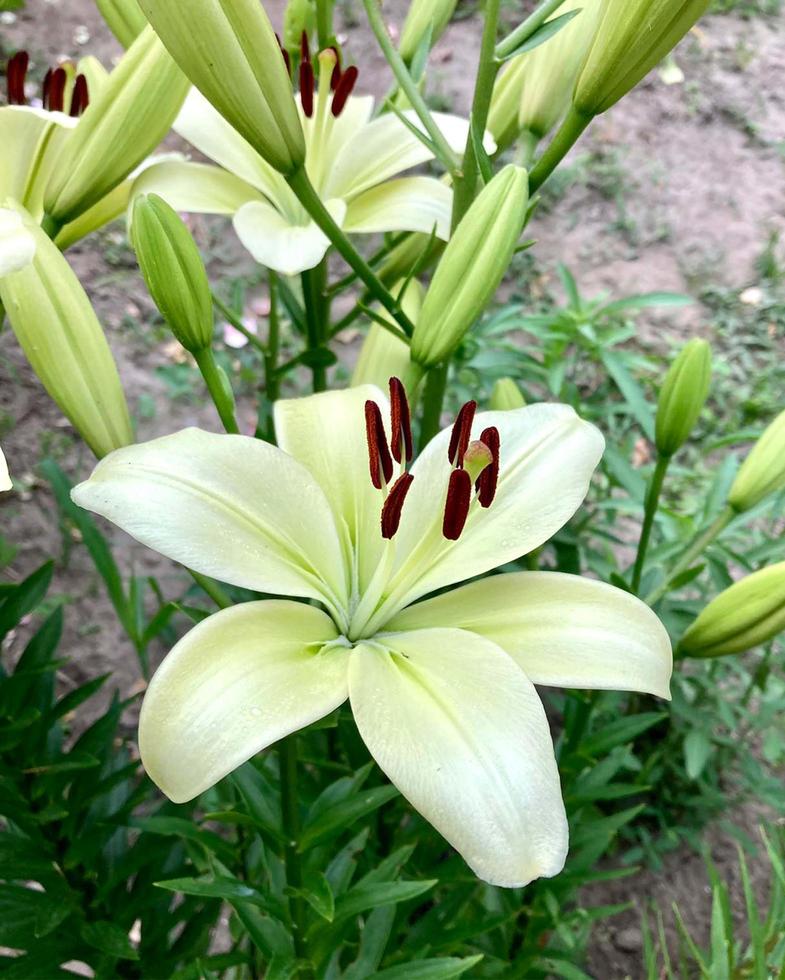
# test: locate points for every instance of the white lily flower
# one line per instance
(442, 690)
(350, 160)
(17, 245)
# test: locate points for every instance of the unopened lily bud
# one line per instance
(474, 262)
(683, 396)
(632, 37)
(747, 614)
(173, 271)
(409, 257)
(763, 471)
(128, 119)
(17, 245)
(506, 101)
(383, 355)
(505, 396)
(422, 16)
(124, 18)
(230, 52)
(65, 345)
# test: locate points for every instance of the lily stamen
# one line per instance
(307, 85)
(487, 480)
(80, 99)
(16, 72)
(54, 90)
(456, 509)
(343, 89)
(379, 459)
(401, 442)
(461, 433)
(393, 505)
(336, 75)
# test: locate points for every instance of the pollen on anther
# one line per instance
(461, 433)
(393, 505)
(379, 459)
(343, 89)
(56, 90)
(306, 87)
(488, 480)
(401, 442)
(80, 99)
(456, 509)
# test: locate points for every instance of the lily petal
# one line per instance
(195, 187)
(326, 433)
(236, 683)
(562, 630)
(31, 140)
(17, 245)
(228, 506)
(460, 730)
(547, 458)
(406, 204)
(206, 129)
(274, 241)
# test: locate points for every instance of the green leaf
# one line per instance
(178, 827)
(631, 390)
(228, 889)
(644, 300)
(441, 968)
(374, 896)
(542, 34)
(336, 819)
(24, 598)
(318, 893)
(22, 859)
(619, 732)
(108, 938)
(482, 158)
(697, 751)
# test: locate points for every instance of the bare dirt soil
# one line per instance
(676, 188)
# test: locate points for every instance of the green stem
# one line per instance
(211, 588)
(324, 28)
(433, 397)
(272, 381)
(218, 386)
(313, 281)
(524, 31)
(51, 226)
(409, 87)
(698, 546)
(238, 324)
(310, 200)
(290, 812)
(568, 134)
(487, 68)
(527, 147)
(650, 510)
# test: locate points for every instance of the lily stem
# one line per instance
(433, 398)
(218, 386)
(313, 204)
(238, 324)
(290, 813)
(524, 31)
(313, 281)
(51, 226)
(409, 86)
(650, 511)
(561, 144)
(701, 542)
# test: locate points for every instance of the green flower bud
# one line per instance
(763, 471)
(683, 396)
(299, 16)
(129, 118)
(747, 614)
(506, 102)
(411, 256)
(505, 396)
(173, 271)
(124, 18)
(474, 262)
(230, 52)
(59, 332)
(421, 16)
(632, 37)
(383, 355)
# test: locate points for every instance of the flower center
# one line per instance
(475, 465)
(61, 86)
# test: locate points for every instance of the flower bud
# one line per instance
(17, 245)
(506, 101)
(474, 262)
(763, 471)
(383, 355)
(424, 15)
(505, 396)
(173, 271)
(129, 118)
(683, 395)
(57, 329)
(632, 37)
(124, 18)
(230, 52)
(409, 257)
(747, 614)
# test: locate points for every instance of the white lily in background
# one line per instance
(442, 690)
(350, 160)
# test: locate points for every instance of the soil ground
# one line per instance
(676, 188)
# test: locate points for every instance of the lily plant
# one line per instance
(363, 545)
(351, 160)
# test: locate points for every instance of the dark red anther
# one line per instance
(46, 88)
(489, 478)
(456, 510)
(306, 87)
(305, 50)
(393, 505)
(343, 89)
(379, 458)
(80, 99)
(401, 442)
(461, 433)
(336, 75)
(57, 90)
(16, 72)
